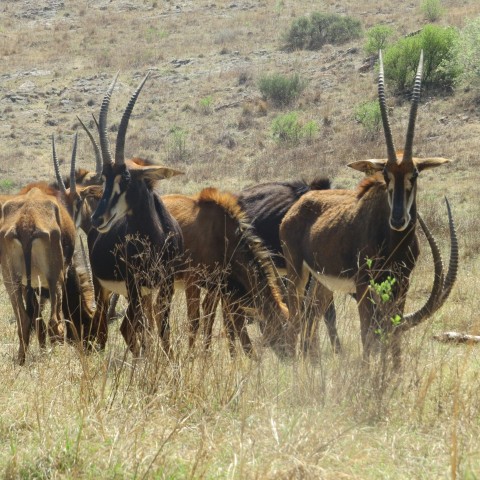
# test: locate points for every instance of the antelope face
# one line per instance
(401, 192)
(113, 205)
(401, 180)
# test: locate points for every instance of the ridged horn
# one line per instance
(122, 129)
(88, 267)
(73, 177)
(392, 156)
(408, 151)
(56, 166)
(453, 264)
(96, 148)
(441, 289)
(102, 125)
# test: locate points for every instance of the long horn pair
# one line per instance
(407, 155)
(73, 179)
(441, 286)
(122, 130)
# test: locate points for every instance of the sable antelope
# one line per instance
(264, 206)
(345, 238)
(136, 244)
(77, 293)
(223, 254)
(37, 239)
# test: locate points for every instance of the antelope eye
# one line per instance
(414, 175)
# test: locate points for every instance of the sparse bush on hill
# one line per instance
(7, 185)
(377, 38)
(437, 43)
(311, 33)
(467, 55)
(432, 10)
(288, 129)
(281, 90)
(369, 116)
(177, 145)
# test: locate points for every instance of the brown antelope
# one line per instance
(135, 246)
(223, 254)
(77, 293)
(37, 240)
(264, 206)
(352, 240)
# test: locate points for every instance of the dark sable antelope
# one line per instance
(264, 207)
(136, 244)
(224, 255)
(346, 238)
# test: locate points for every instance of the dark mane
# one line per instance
(250, 243)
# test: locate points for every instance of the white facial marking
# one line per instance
(116, 185)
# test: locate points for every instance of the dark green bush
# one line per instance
(281, 90)
(401, 59)
(311, 33)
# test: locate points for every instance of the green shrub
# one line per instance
(290, 130)
(280, 89)
(311, 33)
(401, 59)
(369, 116)
(377, 38)
(467, 55)
(177, 145)
(205, 105)
(432, 10)
(7, 185)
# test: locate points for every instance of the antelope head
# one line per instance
(119, 180)
(400, 170)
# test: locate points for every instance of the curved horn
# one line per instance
(392, 156)
(407, 153)
(111, 307)
(453, 264)
(98, 154)
(56, 166)
(88, 267)
(441, 289)
(102, 127)
(122, 129)
(73, 177)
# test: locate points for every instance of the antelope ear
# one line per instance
(154, 172)
(368, 166)
(425, 163)
(90, 191)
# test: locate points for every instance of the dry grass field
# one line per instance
(67, 415)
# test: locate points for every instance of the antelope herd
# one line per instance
(261, 252)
